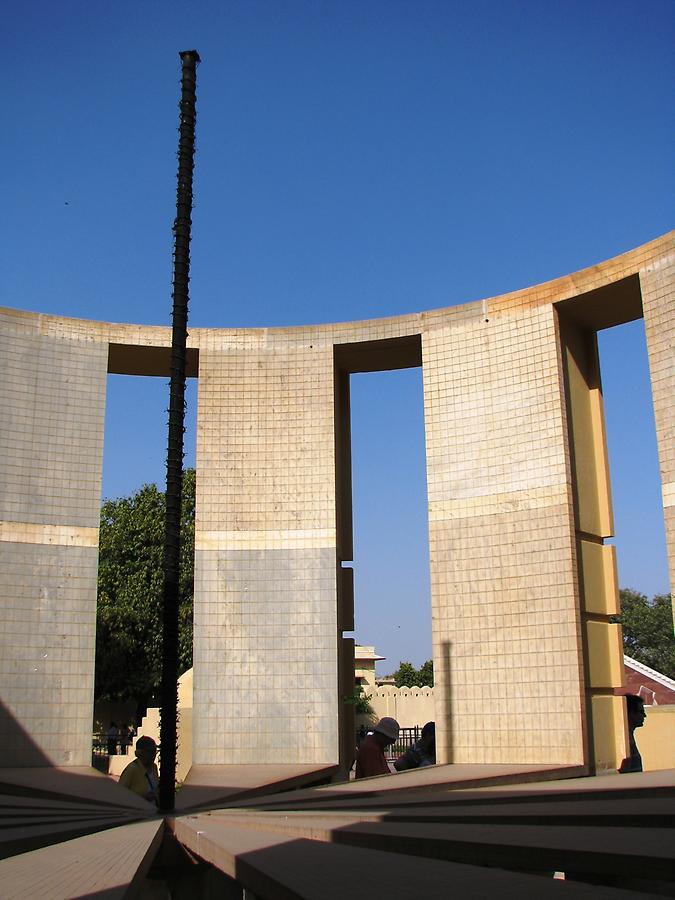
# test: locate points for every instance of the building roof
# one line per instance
(643, 680)
(650, 673)
(362, 651)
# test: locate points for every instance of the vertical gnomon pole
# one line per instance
(174, 460)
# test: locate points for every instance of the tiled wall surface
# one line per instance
(504, 599)
(52, 397)
(265, 660)
(657, 281)
(508, 647)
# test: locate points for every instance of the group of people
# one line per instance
(370, 758)
(141, 775)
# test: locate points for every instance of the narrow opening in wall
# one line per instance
(639, 530)
(391, 542)
(130, 579)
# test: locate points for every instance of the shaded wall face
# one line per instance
(265, 648)
(51, 440)
(507, 648)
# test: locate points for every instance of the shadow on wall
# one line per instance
(443, 703)
(64, 802)
(26, 769)
(17, 747)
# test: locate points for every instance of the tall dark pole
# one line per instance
(174, 457)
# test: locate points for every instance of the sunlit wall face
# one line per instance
(656, 282)
(513, 656)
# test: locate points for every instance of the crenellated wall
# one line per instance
(523, 585)
(410, 706)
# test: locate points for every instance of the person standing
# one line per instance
(126, 737)
(370, 759)
(112, 736)
(636, 719)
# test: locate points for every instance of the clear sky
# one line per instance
(354, 160)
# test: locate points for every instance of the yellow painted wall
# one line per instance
(601, 591)
(656, 738)
(610, 738)
(605, 655)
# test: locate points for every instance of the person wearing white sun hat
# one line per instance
(370, 759)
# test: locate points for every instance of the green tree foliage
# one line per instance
(405, 675)
(648, 630)
(130, 584)
(408, 676)
(426, 674)
(360, 701)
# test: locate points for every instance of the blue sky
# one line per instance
(354, 160)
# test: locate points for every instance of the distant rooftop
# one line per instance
(362, 651)
(650, 673)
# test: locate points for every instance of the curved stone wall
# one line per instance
(519, 507)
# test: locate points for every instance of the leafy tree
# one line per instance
(408, 676)
(130, 585)
(360, 701)
(426, 673)
(648, 630)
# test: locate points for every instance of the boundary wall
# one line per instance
(410, 706)
(523, 585)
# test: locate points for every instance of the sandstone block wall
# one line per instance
(504, 597)
(656, 281)
(522, 583)
(52, 397)
(265, 616)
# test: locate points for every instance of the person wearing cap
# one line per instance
(141, 775)
(370, 759)
(422, 753)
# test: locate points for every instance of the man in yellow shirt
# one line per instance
(141, 775)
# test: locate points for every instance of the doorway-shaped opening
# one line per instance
(131, 543)
(382, 517)
(640, 537)
(391, 529)
(581, 319)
